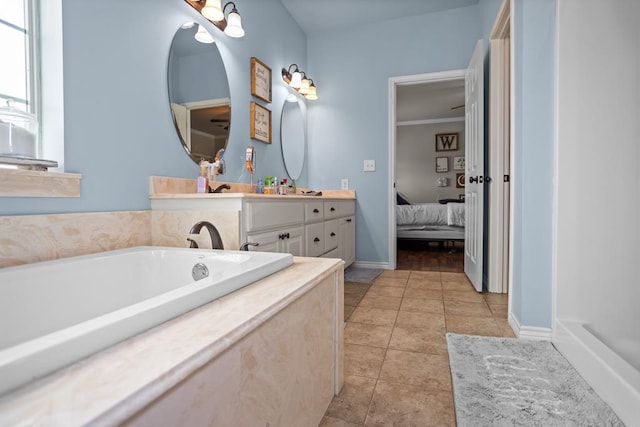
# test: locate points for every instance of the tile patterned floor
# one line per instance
(396, 361)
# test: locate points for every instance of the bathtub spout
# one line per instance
(216, 240)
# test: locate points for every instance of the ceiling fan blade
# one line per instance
(457, 106)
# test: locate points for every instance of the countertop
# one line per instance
(110, 386)
(332, 194)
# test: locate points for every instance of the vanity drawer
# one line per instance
(330, 235)
(313, 211)
(261, 215)
(347, 207)
(314, 237)
(331, 209)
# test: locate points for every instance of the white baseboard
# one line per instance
(529, 332)
(372, 265)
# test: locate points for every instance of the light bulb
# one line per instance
(212, 10)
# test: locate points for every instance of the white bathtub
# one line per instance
(56, 312)
(616, 380)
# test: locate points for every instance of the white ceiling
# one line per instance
(318, 16)
(430, 101)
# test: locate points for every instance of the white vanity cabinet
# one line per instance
(299, 225)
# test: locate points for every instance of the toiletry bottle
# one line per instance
(294, 190)
(260, 188)
(202, 183)
(268, 181)
(274, 185)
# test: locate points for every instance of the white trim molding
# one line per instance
(529, 332)
(372, 265)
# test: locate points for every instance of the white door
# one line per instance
(474, 169)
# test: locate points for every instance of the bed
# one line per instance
(436, 222)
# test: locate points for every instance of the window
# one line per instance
(31, 76)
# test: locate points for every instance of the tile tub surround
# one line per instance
(27, 239)
(121, 384)
(171, 228)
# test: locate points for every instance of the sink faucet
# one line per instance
(220, 188)
(216, 240)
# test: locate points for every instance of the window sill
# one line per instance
(28, 183)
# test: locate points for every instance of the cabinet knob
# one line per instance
(349, 220)
(332, 209)
(316, 240)
(332, 234)
(316, 211)
(287, 235)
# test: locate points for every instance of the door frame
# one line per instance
(500, 137)
(394, 82)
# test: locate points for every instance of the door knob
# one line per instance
(487, 179)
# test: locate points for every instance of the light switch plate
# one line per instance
(369, 165)
(344, 184)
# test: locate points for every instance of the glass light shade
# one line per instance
(234, 25)
(212, 10)
(291, 98)
(304, 86)
(312, 94)
(203, 36)
(296, 80)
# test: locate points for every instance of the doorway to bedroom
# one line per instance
(429, 171)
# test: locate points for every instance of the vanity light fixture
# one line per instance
(203, 36)
(299, 81)
(215, 12)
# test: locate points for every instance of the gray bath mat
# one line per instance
(361, 275)
(514, 382)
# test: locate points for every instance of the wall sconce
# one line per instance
(299, 81)
(203, 36)
(214, 12)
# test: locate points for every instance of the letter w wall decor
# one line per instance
(446, 141)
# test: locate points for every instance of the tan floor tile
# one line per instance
(463, 296)
(505, 328)
(408, 406)
(458, 308)
(496, 298)
(423, 305)
(431, 322)
(486, 326)
(363, 360)
(457, 286)
(385, 291)
(418, 340)
(352, 299)
(423, 293)
(374, 316)
(424, 370)
(403, 274)
(365, 334)
(454, 277)
(334, 422)
(424, 284)
(397, 282)
(499, 310)
(353, 402)
(425, 275)
(355, 288)
(389, 303)
(348, 309)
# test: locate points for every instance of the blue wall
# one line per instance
(534, 74)
(118, 127)
(350, 122)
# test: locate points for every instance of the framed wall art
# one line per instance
(260, 80)
(442, 164)
(458, 163)
(260, 123)
(460, 180)
(447, 141)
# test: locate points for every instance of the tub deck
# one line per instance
(111, 386)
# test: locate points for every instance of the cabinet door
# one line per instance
(267, 242)
(294, 243)
(314, 236)
(330, 235)
(347, 238)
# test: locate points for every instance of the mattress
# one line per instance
(430, 232)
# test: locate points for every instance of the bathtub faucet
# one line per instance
(216, 240)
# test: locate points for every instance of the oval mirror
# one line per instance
(198, 93)
(292, 138)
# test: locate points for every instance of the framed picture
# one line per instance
(447, 141)
(458, 163)
(260, 123)
(459, 180)
(442, 164)
(260, 80)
